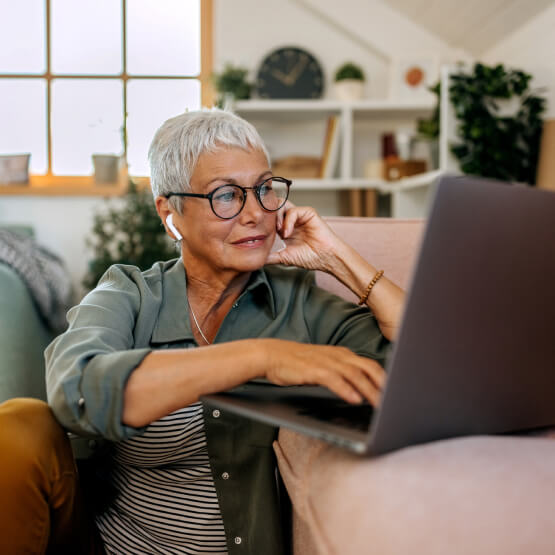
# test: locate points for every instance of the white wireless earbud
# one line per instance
(173, 229)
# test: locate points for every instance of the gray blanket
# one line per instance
(44, 274)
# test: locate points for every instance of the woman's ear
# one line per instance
(173, 229)
(163, 209)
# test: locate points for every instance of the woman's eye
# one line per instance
(227, 195)
(265, 189)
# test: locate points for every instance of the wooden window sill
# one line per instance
(53, 185)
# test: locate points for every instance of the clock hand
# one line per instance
(297, 70)
(280, 76)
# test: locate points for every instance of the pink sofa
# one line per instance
(476, 495)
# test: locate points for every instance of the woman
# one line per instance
(190, 480)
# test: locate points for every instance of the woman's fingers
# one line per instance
(351, 377)
(350, 386)
(295, 216)
(341, 387)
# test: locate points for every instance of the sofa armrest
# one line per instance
(23, 338)
(479, 495)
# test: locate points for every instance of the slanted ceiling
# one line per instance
(472, 25)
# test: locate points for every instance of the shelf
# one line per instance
(294, 126)
(264, 106)
(338, 184)
(312, 108)
(329, 105)
(413, 182)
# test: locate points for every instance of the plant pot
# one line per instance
(349, 89)
(106, 168)
(14, 168)
(504, 107)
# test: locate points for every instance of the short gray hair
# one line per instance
(178, 143)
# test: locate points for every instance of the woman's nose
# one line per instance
(252, 208)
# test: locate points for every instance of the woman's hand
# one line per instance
(310, 243)
(351, 377)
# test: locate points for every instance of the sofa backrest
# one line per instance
(387, 243)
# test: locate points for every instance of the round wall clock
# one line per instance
(290, 72)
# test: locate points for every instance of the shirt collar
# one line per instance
(173, 323)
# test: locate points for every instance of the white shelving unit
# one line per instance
(409, 195)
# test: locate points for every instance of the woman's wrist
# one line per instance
(350, 268)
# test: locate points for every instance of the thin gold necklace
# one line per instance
(196, 322)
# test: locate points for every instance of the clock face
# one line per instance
(290, 73)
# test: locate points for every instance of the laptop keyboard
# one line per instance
(339, 413)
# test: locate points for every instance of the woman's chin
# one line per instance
(248, 261)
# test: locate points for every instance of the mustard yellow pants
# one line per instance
(41, 504)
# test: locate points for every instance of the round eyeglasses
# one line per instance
(228, 200)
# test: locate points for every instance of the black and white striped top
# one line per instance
(166, 500)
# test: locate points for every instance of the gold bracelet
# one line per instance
(375, 279)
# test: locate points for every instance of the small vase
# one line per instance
(349, 89)
(14, 168)
(106, 168)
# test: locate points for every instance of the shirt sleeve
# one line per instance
(332, 320)
(88, 366)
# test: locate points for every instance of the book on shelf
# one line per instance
(545, 178)
(331, 148)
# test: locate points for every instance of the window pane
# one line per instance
(163, 37)
(149, 104)
(23, 117)
(87, 118)
(86, 36)
(22, 43)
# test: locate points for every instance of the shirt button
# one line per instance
(235, 306)
(238, 540)
(216, 413)
(81, 402)
(225, 475)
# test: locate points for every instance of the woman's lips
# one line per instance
(250, 242)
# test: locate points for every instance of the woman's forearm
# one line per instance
(386, 298)
(168, 380)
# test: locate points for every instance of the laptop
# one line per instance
(476, 349)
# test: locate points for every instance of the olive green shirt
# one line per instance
(130, 313)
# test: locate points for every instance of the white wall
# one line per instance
(531, 49)
(366, 32)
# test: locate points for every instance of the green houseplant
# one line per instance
(428, 128)
(349, 82)
(495, 141)
(232, 84)
(127, 231)
(349, 71)
(499, 122)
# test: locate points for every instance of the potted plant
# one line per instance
(106, 168)
(232, 85)
(106, 164)
(127, 231)
(349, 82)
(14, 168)
(428, 129)
(499, 121)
